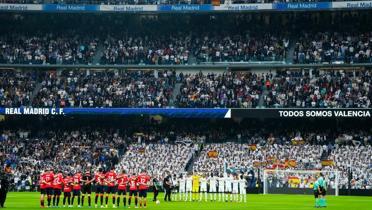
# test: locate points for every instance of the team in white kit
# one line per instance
(221, 188)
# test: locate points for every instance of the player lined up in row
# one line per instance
(123, 187)
(226, 187)
(79, 186)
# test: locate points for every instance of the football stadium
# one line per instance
(186, 104)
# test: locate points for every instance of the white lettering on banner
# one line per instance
(352, 113)
(325, 113)
(12, 111)
(185, 7)
(291, 113)
(34, 111)
(128, 8)
(318, 113)
(21, 7)
(352, 4)
(302, 5)
(243, 7)
(70, 7)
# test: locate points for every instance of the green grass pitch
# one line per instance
(255, 202)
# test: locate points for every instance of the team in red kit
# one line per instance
(78, 187)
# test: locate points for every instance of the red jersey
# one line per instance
(42, 180)
(58, 181)
(143, 180)
(67, 181)
(48, 179)
(122, 181)
(110, 178)
(76, 181)
(99, 178)
(133, 183)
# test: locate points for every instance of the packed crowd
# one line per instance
(47, 49)
(156, 89)
(333, 47)
(240, 90)
(175, 49)
(16, 87)
(106, 89)
(241, 48)
(328, 89)
(172, 152)
(170, 50)
(158, 159)
(30, 153)
(356, 159)
(243, 157)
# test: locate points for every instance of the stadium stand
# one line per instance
(146, 50)
(327, 89)
(46, 49)
(106, 89)
(157, 89)
(333, 47)
(65, 151)
(240, 90)
(356, 159)
(175, 150)
(16, 88)
(262, 38)
(159, 160)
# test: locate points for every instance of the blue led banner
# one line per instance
(197, 112)
(185, 7)
(171, 112)
(70, 8)
(302, 6)
(347, 5)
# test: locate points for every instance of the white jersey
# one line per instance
(212, 184)
(235, 186)
(174, 184)
(242, 185)
(188, 184)
(203, 184)
(182, 185)
(221, 184)
(228, 181)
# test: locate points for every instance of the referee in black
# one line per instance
(167, 184)
(5, 176)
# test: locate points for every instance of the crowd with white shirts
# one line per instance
(244, 156)
(235, 157)
(158, 159)
(354, 159)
